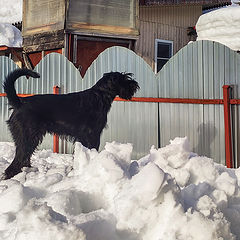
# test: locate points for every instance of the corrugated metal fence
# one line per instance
(197, 71)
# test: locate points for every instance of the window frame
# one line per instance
(157, 41)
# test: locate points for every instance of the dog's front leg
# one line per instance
(89, 141)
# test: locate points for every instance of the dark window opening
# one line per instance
(163, 52)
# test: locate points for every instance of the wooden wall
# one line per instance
(88, 51)
(166, 23)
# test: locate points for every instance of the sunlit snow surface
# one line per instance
(10, 36)
(167, 195)
(11, 11)
(221, 26)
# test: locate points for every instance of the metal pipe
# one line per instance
(55, 137)
(227, 123)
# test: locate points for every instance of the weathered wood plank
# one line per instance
(44, 41)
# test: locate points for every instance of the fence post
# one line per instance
(55, 137)
(227, 124)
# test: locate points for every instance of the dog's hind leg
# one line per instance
(20, 160)
(22, 157)
(26, 139)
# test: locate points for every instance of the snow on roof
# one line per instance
(204, 3)
(11, 11)
(10, 36)
(222, 26)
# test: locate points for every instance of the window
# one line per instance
(163, 51)
(102, 16)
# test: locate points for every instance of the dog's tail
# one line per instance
(9, 88)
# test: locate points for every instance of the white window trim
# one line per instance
(156, 44)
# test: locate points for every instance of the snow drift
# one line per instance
(11, 11)
(222, 26)
(10, 36)
(170, 194)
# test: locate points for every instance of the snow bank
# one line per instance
(10, 36)
(169, 194)
(11, 11)
(222, 26)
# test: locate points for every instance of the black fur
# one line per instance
(80, 116)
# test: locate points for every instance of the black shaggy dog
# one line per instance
(80, 116)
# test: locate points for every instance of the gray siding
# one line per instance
(166, 23)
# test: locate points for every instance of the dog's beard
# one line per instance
(128, 93)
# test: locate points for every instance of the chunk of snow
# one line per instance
(11, 11)
(169, 194)
(222, 26)
(10, 36)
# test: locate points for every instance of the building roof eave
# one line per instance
(203, 3)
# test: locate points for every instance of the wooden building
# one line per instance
(163, 27)
(81, 30)
(13, 53)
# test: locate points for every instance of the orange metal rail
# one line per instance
(173, 100)
(227, 124)
(20, 95)
(55, 137)
(161, 100)
(226, 101)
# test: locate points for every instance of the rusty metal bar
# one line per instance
(55, 137)
(227, 123)
(173, 100)
(20, 95)
(161, 100)
(226, 101)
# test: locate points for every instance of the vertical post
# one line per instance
(227, 123)
(55, 137)
(75, 37)
(70, 48)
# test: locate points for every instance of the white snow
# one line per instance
(10, 36)
(169, 194)
(222, 26)
(11, 11)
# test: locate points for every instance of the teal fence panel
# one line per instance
(179, 78)
(129, 122)
(198, 71)
(56, 70)
(6, 66)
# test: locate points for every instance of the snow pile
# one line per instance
(222, 26)
(10, 36)
(169, 194)
(11, 11)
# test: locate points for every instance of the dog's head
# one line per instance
(121, 84)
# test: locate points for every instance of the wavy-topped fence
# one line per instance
(198, 71)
